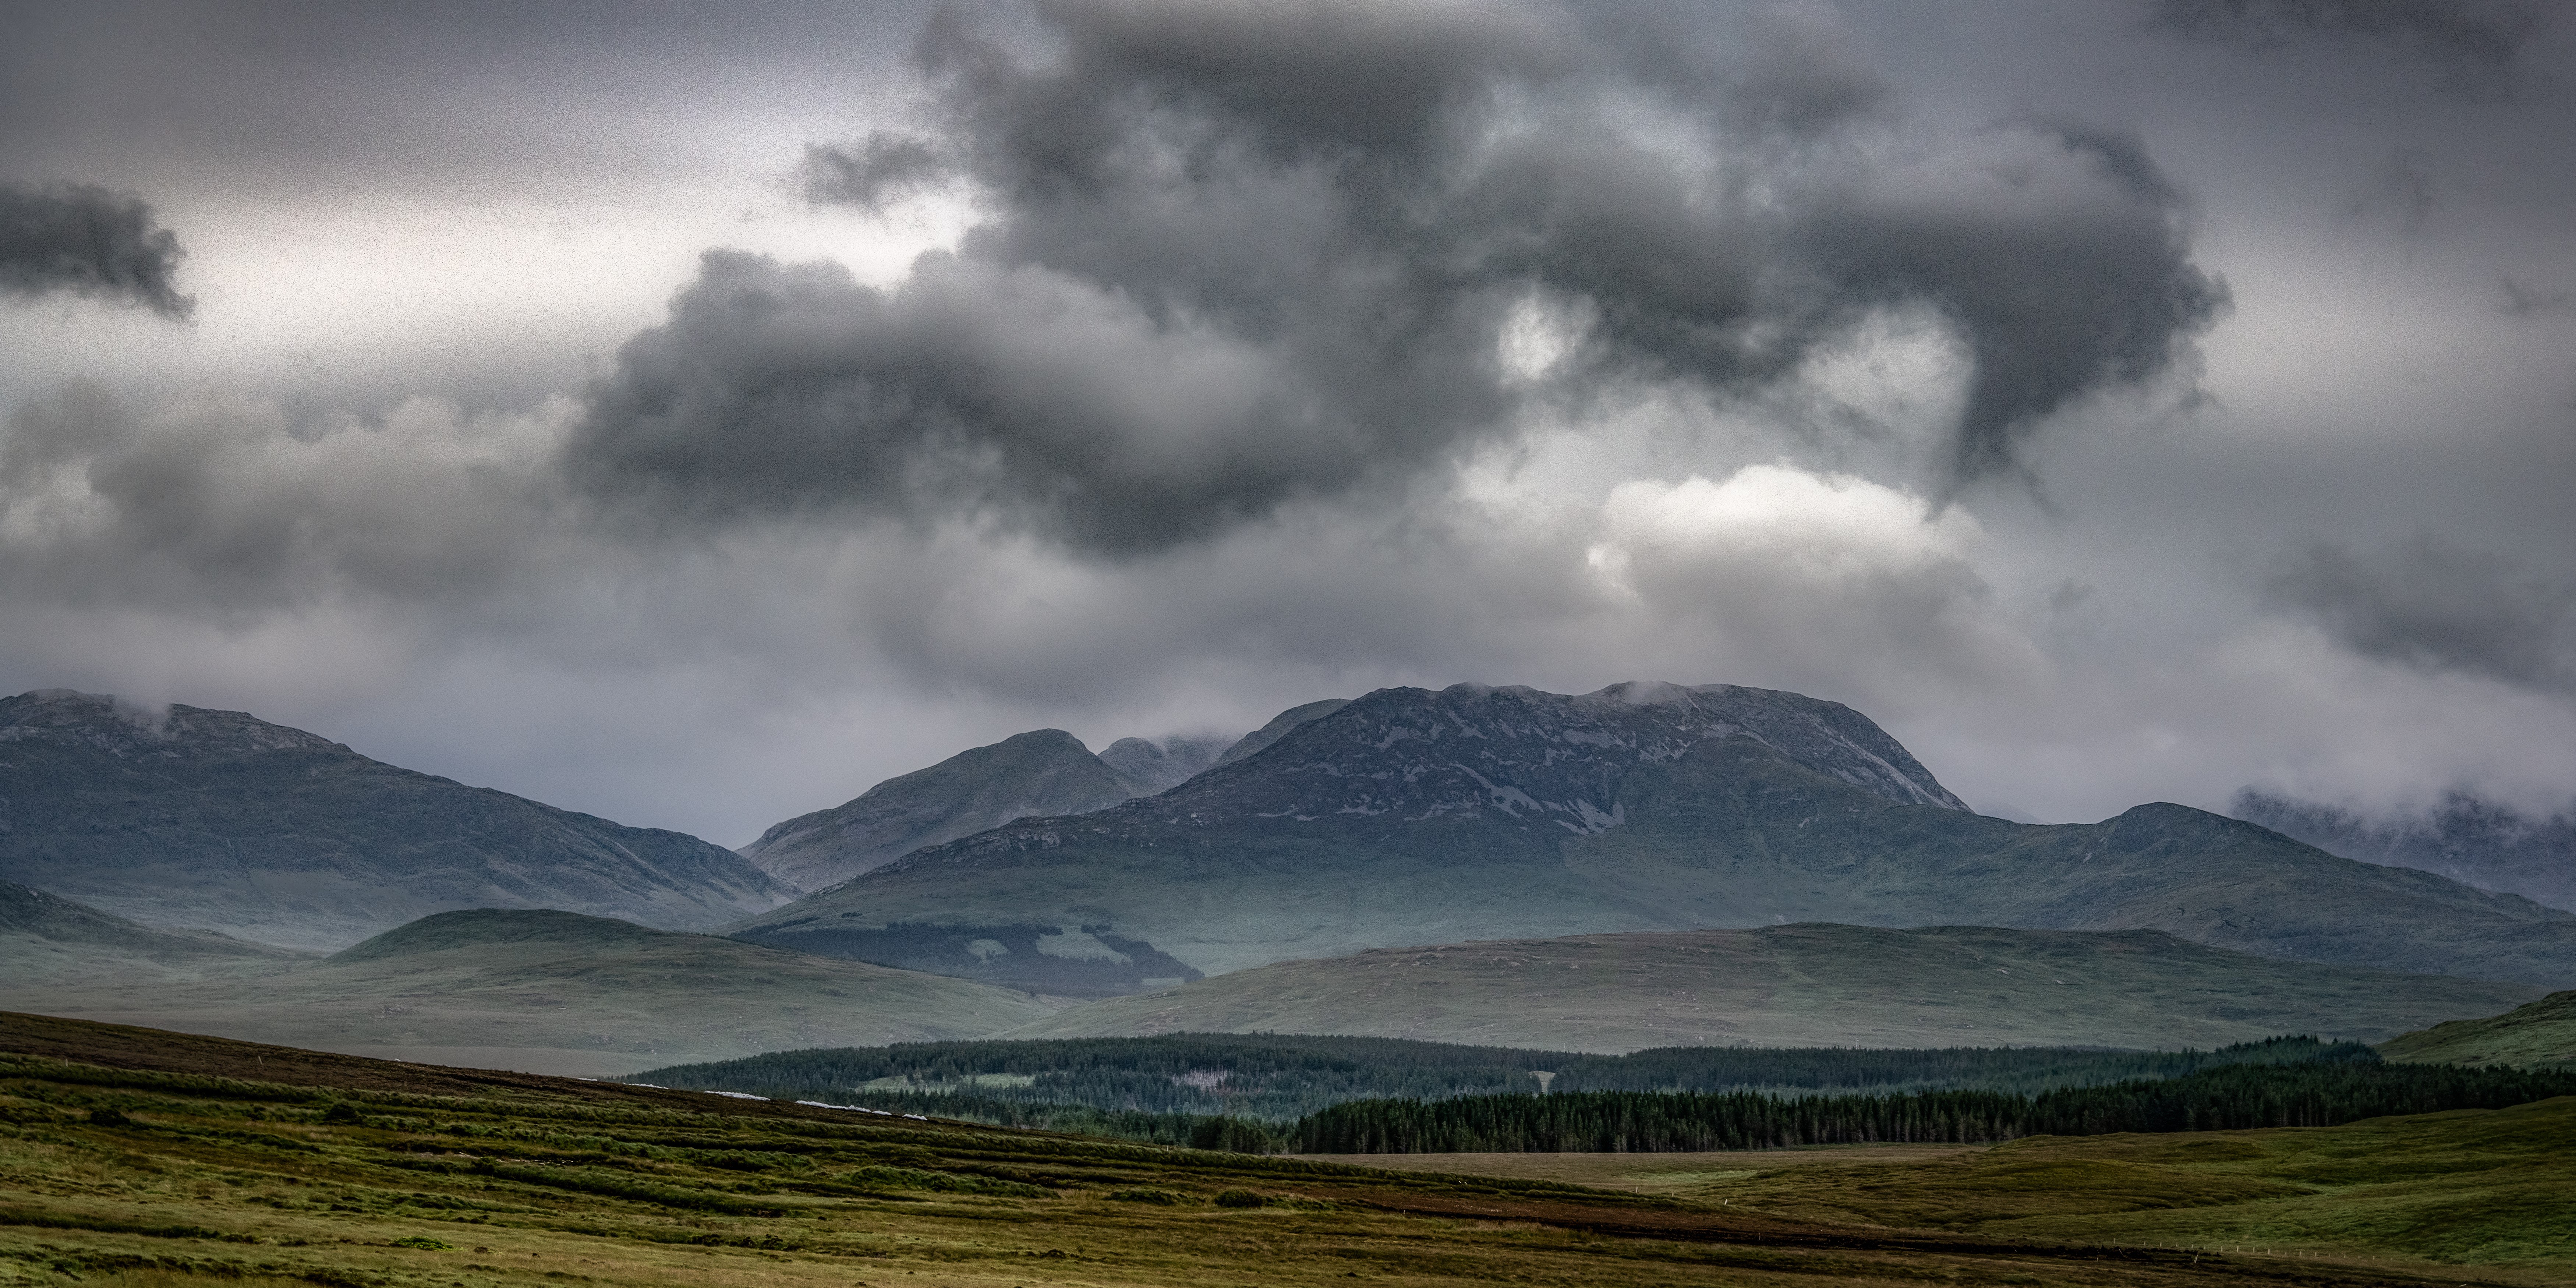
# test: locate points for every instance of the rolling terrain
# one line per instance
(1799, 986)
(47, 940)
(2534, 1034)
(1413, 817)
(191, 818)
(139, 1159)
(550, 992)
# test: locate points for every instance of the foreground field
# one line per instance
(2495, 1189)
(136, 1159)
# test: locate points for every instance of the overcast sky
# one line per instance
(694, 416)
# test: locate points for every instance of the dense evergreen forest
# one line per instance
(2312, 1094)
(1251, 1091)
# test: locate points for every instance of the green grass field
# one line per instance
(137, 1159)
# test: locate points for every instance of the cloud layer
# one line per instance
(1231, 258)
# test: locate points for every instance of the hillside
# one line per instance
(1042, 772)
(1799, 986)
(1413, 817)
(2535, 1033)
(156, 1160)
(141, 1159)
(554, 992)
(194, 818)
(49, 940)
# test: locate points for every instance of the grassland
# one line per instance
(134, 1159)
(2538, 1034)
(2491, 1189)
(1802, 985)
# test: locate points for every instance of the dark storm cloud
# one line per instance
(2476, 41)
(90, 242)
(2433, 606)
(1236, 256)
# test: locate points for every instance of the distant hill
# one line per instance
(46, 939)
(1041, 772)
(1799, 986)
(197, 818)
(2467, 838)
(554, 992)
(1414, 817)
(2536, 1033)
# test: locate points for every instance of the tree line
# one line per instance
(2314, 1094)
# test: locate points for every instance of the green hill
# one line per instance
(554, 992)
(1414, 817)
(2536, 1033)
(1797, 986)
(197, 818)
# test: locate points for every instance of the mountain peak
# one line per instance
(105, 722)
(1040, 772)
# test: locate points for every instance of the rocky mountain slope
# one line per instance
(1043, 772)
(2536, 1033)
(1801, 985)
(553, 992)
(2466, 838)
(197, 818)
(1413, 817)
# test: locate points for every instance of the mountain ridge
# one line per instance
(1040, 772)
(192, 817)
(1477, 812)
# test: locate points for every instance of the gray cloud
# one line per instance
(90, 242)
(1240, 256)
(2476, 40)
(885, 168)
(2434, 606)
(2521, 301)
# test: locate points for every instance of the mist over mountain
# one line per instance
(1157, 765)
(2466, 838)
(188, 817)
(1412, 817)
(1043, 772)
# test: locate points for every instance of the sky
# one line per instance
(693, 417)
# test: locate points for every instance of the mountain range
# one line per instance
(1414, 817)
(188, 817)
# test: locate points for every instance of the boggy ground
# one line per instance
(132, 1158)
